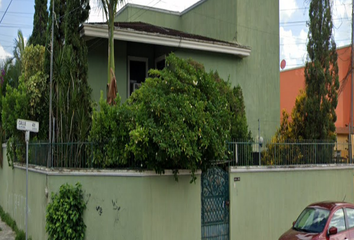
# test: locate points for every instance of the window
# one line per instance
(160, 62)
(338, 220)
(350, 216)
(312, 220)
(137, 72)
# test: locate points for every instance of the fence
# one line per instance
(287, 153)
(240, 153)
(68, 155)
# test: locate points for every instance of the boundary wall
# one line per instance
(144, 205)
(266, 201)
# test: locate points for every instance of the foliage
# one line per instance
(109, 8)
(313, 116)
(321, 74)
(64, 218)
(287, 146)
(28, 101)
(288, 131)
(40, 20)
(178, 119)
(72, 105)
(19, 48)
(5, 217)
(234, 96)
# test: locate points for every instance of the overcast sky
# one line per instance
(292, 25)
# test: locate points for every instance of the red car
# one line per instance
(323, 221)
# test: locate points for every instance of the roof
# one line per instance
(160, 9)
(149, 28)
(152, 34)
(329, 204)
(342, 130)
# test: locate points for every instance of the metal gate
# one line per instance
(215, 204)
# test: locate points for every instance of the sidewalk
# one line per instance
(6, 232)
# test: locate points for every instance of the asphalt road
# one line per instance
(6, 232)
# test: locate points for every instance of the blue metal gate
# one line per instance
(215, 204)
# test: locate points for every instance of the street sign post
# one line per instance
(27, 126)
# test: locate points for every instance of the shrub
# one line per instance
(65, 214)
(178, 119)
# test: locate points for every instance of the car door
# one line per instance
(338, 220)
(349, 212)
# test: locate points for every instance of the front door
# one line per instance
(215, 204)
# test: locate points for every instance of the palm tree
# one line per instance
(19, 48)
(109, 8)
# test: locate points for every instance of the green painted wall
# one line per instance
(97, 67)
(141, 207)
(97, 62)
(264, 204)
(13, 198)
(154, 207)
(250, 23)
(213, 18)
(159, 18)
(224, 64)
(258, 27)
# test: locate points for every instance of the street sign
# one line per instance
(26, 125)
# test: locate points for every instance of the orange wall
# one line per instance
(291, 81)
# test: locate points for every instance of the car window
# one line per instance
(312, 220)
(350, 216)
(338, 220)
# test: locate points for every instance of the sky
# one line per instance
(293, 15)
(293, 30)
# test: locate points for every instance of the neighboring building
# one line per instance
(239, 39)
(293, 80)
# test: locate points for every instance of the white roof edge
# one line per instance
(193, 6)
(165, 40)
(147, 8)
(159, 9)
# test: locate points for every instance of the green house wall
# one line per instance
(250, 23)
(143, 205)
(159, 18)
(120, 204)
(272, 199)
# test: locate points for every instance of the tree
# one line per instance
(109, 8)
(321, 74)
(180, 118)
(27, 101)
(40, 21)
(71, 92)
(74, 98)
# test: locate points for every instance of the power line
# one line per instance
(20, 13)
(5, 12)
(305, 8)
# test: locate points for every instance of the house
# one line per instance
(293, 80)
(239, 39)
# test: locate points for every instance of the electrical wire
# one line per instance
(5, 12)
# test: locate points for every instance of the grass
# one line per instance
(5, 217)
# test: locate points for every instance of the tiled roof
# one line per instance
(149, 28)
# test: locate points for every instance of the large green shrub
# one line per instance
(27, 101)
(65, 214)
(180, 118)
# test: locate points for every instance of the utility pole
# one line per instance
(351, 92)
(49, 162)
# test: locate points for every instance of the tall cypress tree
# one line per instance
(71, 93)
(321, 74)
(40, 21)
(76, 89)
